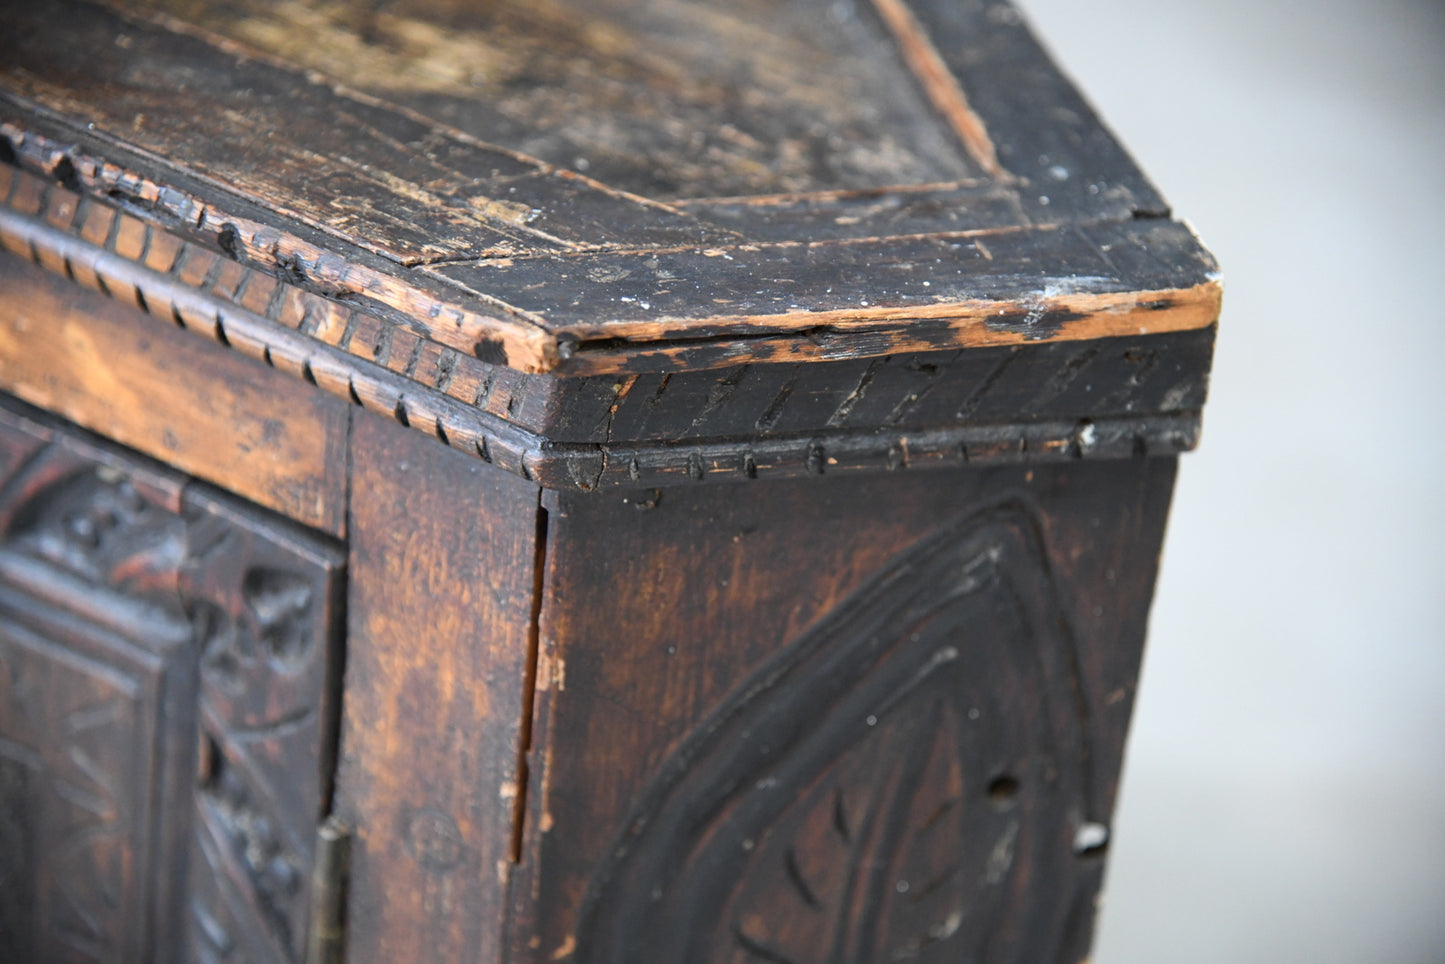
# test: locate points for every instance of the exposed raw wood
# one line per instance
(1140, 376)
(642, 311)
(498, 293)
(525, 423)
(182, 216)
(678, 310)
(178, 398)
(495, 234)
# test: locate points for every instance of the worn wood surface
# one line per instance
(1146, 375)
(756, 212)
(180, 399)
(1036, 400)
(670, 67)
(616, 249)
(440, 615)
(169, 661)
(816, 302)
(770, 723)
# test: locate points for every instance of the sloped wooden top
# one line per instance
(618, 185)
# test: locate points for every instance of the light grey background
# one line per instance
(1284, 795)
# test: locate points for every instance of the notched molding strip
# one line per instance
(369, 362)
(511, 336)
(590, 467)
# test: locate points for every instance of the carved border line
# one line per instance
(377, 365)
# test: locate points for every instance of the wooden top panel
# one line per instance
(617, 185)
(666, 98)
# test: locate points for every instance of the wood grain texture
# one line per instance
(96, 721)
(177, 398)
(1049, 233)
(665, 98)
(671, 311)
(667, 623)
(331, 156)
(1033, 401)
(330, 285)
(893, 785)
(1144, 375)
(442, 567)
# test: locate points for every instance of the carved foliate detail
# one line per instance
(145, 627)
(884, 790)
(262, 616)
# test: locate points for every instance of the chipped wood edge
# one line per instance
(526, 342)
(136, 263)
(862, 333)
(510, 336)
(975, 323)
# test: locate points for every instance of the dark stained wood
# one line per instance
(744, 97)
(954, 208)
(169, 658)
(771, 420)
(440, 619)
(774, 303)
(704, 652)
(1046, 132)
(265, 602)
(555, 698)
(807, 253)
(177, 398)
(97, 719)
(1149, 374)
(332, 155)
(325, 288)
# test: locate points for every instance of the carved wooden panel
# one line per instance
(166, 716)
(895, 786)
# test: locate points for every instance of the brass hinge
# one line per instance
(326, 937)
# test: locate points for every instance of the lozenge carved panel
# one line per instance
(892, 787)
(166, 712)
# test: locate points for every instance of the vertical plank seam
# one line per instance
(529, 685)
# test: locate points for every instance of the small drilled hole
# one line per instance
(1003, 792)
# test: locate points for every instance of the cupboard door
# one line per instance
(168, 671)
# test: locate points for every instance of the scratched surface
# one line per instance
(667, 98)
(634, 185)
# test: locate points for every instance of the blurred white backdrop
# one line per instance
(1284, 795)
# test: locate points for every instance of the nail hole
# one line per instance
(1003, 792)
